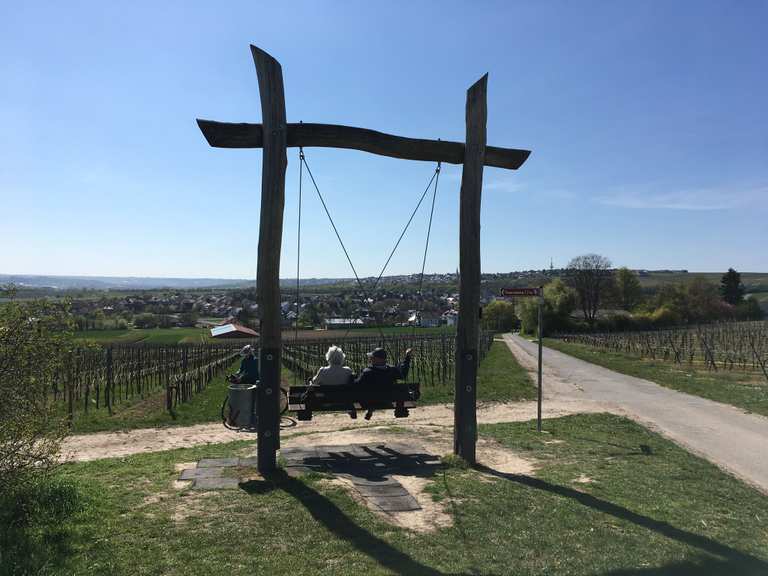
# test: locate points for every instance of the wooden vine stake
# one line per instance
(273, 135)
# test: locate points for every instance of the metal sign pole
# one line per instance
(539, 293)
(541, 335)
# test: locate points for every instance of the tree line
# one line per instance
(592, 295)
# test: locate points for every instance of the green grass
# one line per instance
(499, 379)
(649, 508)
(146, 336)
(744, 390)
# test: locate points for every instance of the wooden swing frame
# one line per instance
(273, 136)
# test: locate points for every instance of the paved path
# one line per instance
(723, 434)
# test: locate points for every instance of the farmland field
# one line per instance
(147, 336)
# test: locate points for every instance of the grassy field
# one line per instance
(753, 281)
(147, 336)
(607, 497)
(745, 390)
(500, 378)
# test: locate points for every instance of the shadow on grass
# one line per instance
(34, 533)
(333, 518)
(731, 561)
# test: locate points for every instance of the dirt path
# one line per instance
(725, 435)
(117, 444)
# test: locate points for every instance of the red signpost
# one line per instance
(538, 292)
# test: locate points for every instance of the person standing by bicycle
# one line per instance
(249, 367)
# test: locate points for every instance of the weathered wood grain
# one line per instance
(245, 135)
(270, 76)
(468, 325)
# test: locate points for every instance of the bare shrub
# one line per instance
(35, 336)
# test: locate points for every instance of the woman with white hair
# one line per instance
(335, 374)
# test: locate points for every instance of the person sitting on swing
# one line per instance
(379, 377)
(249, 367)
(335, 374)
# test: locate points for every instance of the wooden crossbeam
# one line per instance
(246, 135)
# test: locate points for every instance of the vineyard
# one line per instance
(102, 377)
(726, 346)
(433, 355)
(98, 378)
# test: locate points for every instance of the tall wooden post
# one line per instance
(272, 96)
(468, 326)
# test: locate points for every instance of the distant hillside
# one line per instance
(756, 282)
(139, 283)
(116, 282)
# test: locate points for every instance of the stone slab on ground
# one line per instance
(386, 489)
(210, 473)
(369, 467)
(220, 483)
(195, 473)
(217, 462)
(405, 503)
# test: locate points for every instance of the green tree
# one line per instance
(559, 304)
(749, 309)
(309, 317)
(188, 318)
(704, 303)
(628, 291)
(145, 320)
(731, 288)
(500, 315)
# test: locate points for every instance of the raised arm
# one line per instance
(403, 368)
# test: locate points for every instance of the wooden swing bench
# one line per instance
(304, 400)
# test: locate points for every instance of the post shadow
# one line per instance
(336, 521)
(733, 561)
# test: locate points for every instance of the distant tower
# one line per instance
(551, 265)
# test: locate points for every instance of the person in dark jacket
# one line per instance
(249, 367)
(379, 377)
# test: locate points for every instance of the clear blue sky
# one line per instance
(648, 123)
